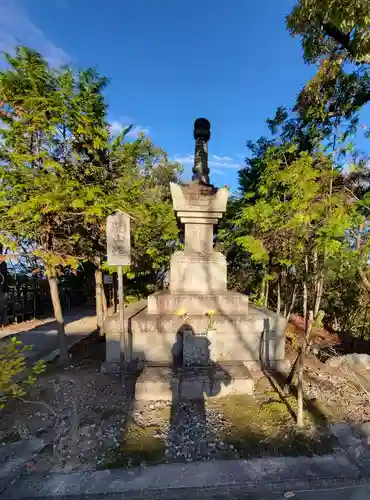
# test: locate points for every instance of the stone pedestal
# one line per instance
(198, 273)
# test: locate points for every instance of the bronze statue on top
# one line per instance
(202, 134)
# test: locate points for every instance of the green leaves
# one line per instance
(15, 376)
(254, 246)
(335, 35)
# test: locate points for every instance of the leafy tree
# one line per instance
(286, 128)
(62, 174)
(335, 34)
(340, 26)
(299, 222)
(44, 150)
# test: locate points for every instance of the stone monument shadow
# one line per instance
(195, 377)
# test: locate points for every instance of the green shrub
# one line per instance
(15, 376)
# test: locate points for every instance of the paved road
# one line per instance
(348, 493)
(44, 338)
(355, 492)
(359, 492)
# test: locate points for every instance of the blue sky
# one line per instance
(171, 61)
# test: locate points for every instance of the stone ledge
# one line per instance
(258, 477)
(199, 198)
(223, 302)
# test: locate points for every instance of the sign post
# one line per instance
(119, 254)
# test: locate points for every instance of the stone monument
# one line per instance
(242, 332)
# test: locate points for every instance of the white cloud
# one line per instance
(137, 130)
(218, 165)
(185, 160)
(224, 164)
(117, 127)
(215, 163)
(16, 28)
(221, 158)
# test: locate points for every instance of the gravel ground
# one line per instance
(195, 433)
(341, 393)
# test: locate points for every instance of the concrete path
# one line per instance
(44, 338)
(333, 476)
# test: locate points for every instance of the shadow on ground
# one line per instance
(206, 427)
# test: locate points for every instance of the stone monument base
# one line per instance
(235, 337)
(166, 338)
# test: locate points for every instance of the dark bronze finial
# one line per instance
(202, 134)
(202, 129)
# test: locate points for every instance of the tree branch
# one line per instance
(339, 36)
(343, 39)
(365, 279)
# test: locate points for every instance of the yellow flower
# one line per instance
(211, 312)
(180, 312)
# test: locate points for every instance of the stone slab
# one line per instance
(216, 382)
(162, 384)
(208, 479)
(197, 273)
(155, 383)
(14, 456)
(223, 302)
(355, 439)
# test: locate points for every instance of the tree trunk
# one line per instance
(292, 301)
(99, 294)
(262, 292)
(267, 288)
(278, 305)
(300, 414)
(3, 291)
(293, 370)
(364, 278)
(54, 293)
(319, 291)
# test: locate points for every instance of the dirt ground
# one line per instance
(90, 420)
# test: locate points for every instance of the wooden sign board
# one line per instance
(118, 239)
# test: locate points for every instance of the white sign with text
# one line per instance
(118, 239)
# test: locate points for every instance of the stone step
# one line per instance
(158, 383)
